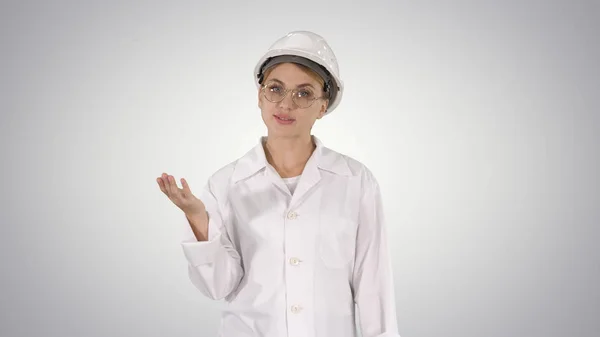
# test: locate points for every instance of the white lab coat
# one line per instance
(294, 265)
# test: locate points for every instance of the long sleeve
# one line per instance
(214, 266)
(372, 278)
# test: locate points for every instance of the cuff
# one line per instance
(201, 252)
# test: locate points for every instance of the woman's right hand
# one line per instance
(181, 197)
(190, 205)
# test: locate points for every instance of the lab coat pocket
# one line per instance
(336, 242)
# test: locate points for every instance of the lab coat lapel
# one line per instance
(255, 161)
(274, 177)
(309, 178)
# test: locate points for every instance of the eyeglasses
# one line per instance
(275, 92)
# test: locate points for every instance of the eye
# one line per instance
(275, 88)
(305, 94)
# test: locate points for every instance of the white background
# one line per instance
(479, 119)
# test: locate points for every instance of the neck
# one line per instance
(288, 155)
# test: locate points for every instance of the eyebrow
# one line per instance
(298, 86)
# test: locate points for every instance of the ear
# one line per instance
(259, 99)
(323, 109)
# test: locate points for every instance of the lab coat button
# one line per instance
(292, 215)
(294, 261)
(296, 309)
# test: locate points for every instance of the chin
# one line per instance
(281, 132)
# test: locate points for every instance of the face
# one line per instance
(286, 118)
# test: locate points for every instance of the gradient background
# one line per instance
(480, 119)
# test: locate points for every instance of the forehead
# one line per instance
(291, 74)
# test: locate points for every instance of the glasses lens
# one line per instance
(274, 91)
(304, 97)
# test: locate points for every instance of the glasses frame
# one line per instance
(285, 93)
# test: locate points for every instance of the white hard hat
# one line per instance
(311, 50)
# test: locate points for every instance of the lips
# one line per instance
(285, 119)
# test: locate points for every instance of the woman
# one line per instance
(291, 235)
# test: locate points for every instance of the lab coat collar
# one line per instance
(323, 158)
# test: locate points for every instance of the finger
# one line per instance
(173, 186)
(168, 185)
(165, 182)
(186, 187)
(161, 184)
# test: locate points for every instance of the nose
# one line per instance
(287, 102)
